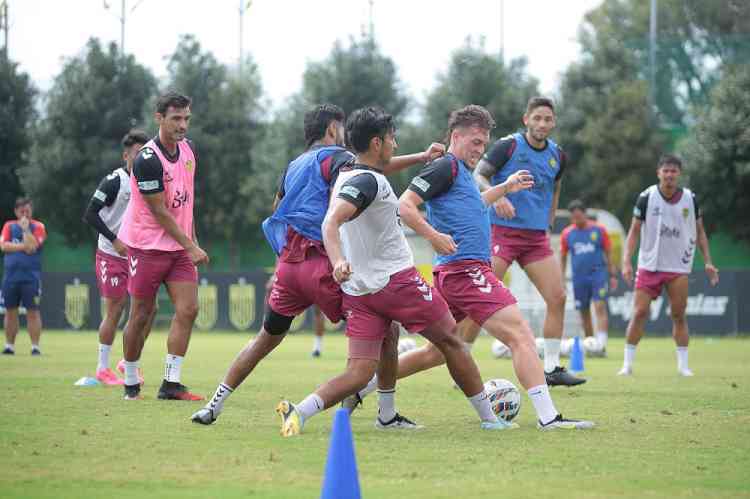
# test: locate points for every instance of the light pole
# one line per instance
(244, 5)
(121, 18)
(4, 25)
(652, 54)
(502, 29)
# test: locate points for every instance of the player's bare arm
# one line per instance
(29, 241)
(403, 162)
(408, 208)
(11, 247)
(610, 268)
(630, 243)
(711, 271)
(520, 180)
(159, 211)
(483, 174)
(340, 212)
(555, 202)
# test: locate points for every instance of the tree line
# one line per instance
(55, 147)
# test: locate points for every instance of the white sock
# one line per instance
(545, 408)
(601, 337)
(221, 394)
(103, 356)
(481, 403)
(309, 407)
(682, 358)
(131, 373)
(35, 346)
(10, 346)
(371, 387)
(173, 368)
(551, 354)
(318, 343)
(629, 355)
(386, 405)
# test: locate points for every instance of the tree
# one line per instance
(233, 188)
(93, 102)
(604, 122)
(16, 119)
(717, 154)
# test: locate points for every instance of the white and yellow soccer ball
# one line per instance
(406, 344)
(505, 399)
(592, 346)
(566, 346)
(500, 350)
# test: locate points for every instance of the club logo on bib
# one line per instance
(189, 165)
(685, 213)
(76, 303)
(553, 162)
(241, 304)
(594, 236)
(208, 305)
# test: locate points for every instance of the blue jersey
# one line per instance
(19, 266)
(455, 207)
(304, 192)
(513, 153)
(587, 247)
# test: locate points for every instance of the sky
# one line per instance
(283, 35)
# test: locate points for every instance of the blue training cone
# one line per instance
(341, 480)
(576, 356)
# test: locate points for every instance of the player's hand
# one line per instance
(197, 255)
(443, 244)
(342, 271)
(24, 223)
(505, 209)
(120, 247)
(627, 273)
(612, 283)
(433, 152)
(519, 181)
(713, 274)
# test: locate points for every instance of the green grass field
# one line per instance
(658, 436)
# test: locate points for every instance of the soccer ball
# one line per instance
(539, 347)
(505, 399)
(406, 344)
(500, 350)
(566, 345)
(592, 346)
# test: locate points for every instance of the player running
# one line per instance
(303, 274)
(520, 222)
(21, 240)
(670, 224)
(159, 233)
(104, 213)
(592, 268)
(458, 228)
(374, 264)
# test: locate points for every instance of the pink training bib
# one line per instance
(140, 228)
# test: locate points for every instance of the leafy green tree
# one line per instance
(94, 101)
(17, 116)
(717, 155)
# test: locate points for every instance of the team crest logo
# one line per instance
(208, 305)
(594, 236)
(553, 162)
(241, 304)
(685, 213)
(76, 303)
(189, 165)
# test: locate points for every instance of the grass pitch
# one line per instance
(658, 436)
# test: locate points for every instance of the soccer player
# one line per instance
(458, 228)
(373, 262)
(669, 222)
(21, 240)
(159, 233)
(520, 222)
(303, 274)
(104, 213)
(592, 267)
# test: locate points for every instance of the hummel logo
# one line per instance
(474, 274)
(486, 289)
(133, 265)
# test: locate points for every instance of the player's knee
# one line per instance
(187, 312)
(678, 316)
(640, 313)
(275, 323)
(557, 299)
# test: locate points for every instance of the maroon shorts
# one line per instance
(525, 245)
(471, 289)
(111, 275)
(150, 268)
(298, 285)
(406, 299)
(652, 282)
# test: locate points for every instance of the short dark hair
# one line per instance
(538, 101)
(577, 204)
(22, 201)
(133, 137)
(317, 120)
(467, 116)
(670, 159)
(172, 99)
(365, 124)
